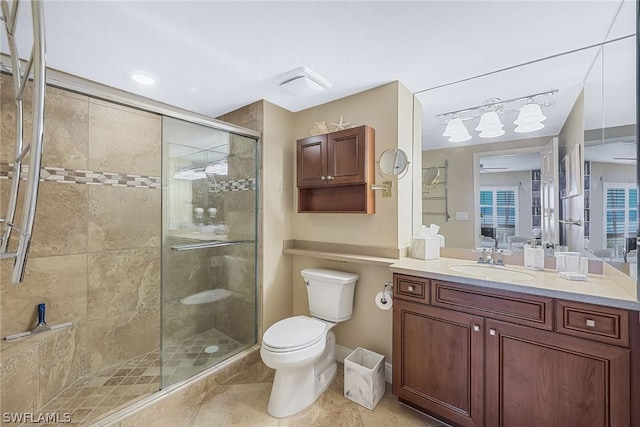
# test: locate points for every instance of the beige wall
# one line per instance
(278, 210)
(571, 136)
(277, 147)
(389, 110)
(461, 234)
(94, 257)
(378, 108)
(369, 327)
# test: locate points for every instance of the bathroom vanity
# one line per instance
(476, 353)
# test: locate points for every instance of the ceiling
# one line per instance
(212, 57)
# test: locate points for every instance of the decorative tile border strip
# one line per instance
(237, 185)
(70, 176)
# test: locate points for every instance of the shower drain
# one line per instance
(212, 349)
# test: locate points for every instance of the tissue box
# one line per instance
(534, 257)
(425, 247)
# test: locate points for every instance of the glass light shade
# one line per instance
(219, 168)
(528, 127)
(460, 138)
(530, 113)
(489, 121)
(455, 127)
(492, 133)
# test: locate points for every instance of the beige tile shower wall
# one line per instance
(94, 256)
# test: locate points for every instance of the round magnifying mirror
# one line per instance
(430, 177)
(393, 162)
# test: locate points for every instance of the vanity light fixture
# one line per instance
(529, 118)
(218, 168)
(456, 131)
(490, 125)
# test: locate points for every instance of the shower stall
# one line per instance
(145, 242)
(208, 247)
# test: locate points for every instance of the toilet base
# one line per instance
(294, 390)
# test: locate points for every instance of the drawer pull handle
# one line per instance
(476, 328)
(591, 323)
(323, 177)
(492, 331)
(410, 288)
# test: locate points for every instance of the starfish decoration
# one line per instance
(341, 125)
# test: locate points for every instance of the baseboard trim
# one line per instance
(342, 353)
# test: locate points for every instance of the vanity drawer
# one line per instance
(411, 288)
(604, 324)
(522, 309)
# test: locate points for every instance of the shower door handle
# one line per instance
(206, 245)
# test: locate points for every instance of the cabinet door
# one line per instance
(346, 156)
(312, 161)
(537, 378)
(438, 361)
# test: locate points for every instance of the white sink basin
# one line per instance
(492, 272)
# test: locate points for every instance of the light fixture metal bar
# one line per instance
(494, 103)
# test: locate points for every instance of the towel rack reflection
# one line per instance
(206, 245)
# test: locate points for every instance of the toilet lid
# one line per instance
(294, 333)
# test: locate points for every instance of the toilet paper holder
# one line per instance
(384, 291)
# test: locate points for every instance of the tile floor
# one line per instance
(120, 385)
(242, 401)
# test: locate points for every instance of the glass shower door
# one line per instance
(209, 214)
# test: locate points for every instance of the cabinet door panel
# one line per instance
(537, 378)
(346, 156)
(439, 356)
(312, 161)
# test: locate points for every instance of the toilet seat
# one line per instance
(294, 333)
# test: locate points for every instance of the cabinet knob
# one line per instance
(329, 177)
(476, 328)
(590, 322)
(323, 177)
(410, 288)
(492, 331)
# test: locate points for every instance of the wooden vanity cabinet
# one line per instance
(440, 361)
(480, 357)
(335, 171)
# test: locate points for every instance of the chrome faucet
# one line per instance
(485, 256)
(492, 256)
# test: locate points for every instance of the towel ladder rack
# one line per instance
(36, 67)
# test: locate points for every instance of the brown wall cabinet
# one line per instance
(335, 172)
(498, 363)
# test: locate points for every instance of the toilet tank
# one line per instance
(330, 293)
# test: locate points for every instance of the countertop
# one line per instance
(611, 288)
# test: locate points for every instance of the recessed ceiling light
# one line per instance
(143, 78)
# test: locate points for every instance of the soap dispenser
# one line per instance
(533, 256)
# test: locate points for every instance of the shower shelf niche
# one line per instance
(211, 295)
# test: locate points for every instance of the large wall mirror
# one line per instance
(543, 152)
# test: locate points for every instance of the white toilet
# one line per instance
(302, 349)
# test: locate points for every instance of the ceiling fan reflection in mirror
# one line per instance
(490, 169)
